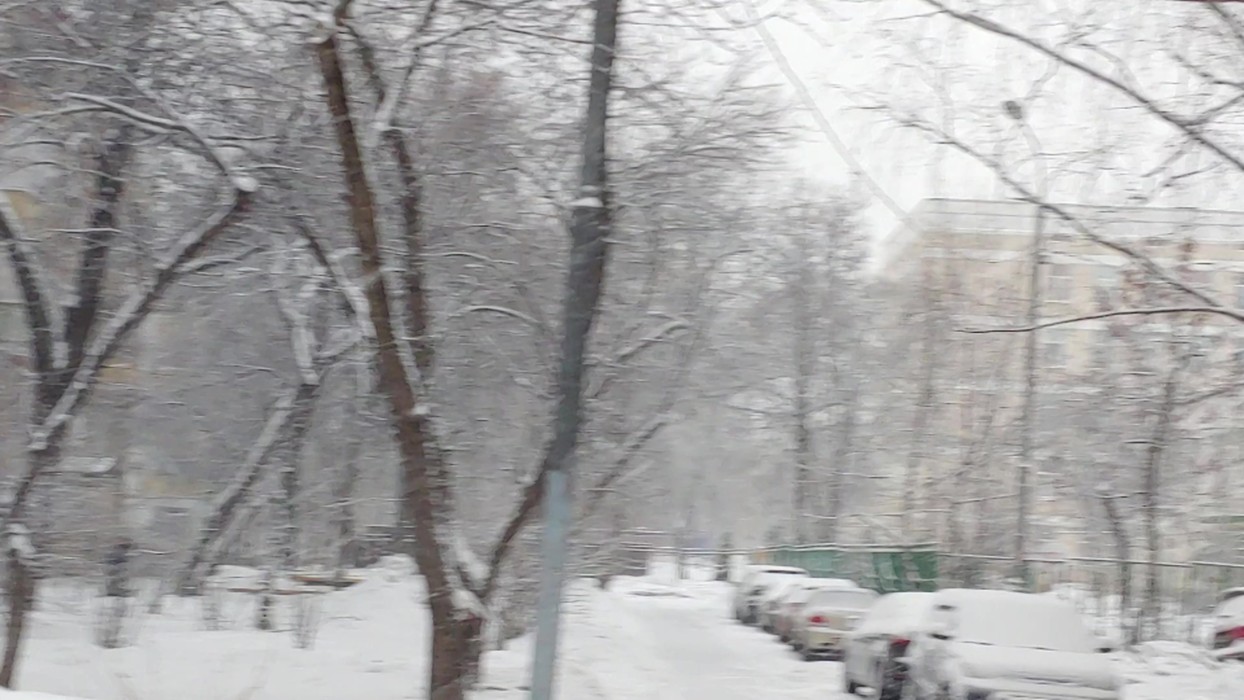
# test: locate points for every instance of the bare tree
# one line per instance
(71, 338)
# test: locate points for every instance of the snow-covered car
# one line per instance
(769, 604)
(756, 581)
(986, 645)
(791, 605)
(871, 650)
(826, 620)
(1228, 620)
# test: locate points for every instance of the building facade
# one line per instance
(965, 266)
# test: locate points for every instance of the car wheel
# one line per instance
(806, 654)
(887, 688)
(850, 686)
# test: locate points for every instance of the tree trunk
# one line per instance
(1150, 490)
(804, 351)
(1123, 552)
(426, 489)
(20, 591)
(290, 411)
(844, 457)
(1029, 413)
(343, 497)
(919, 421)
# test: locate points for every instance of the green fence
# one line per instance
(883, 569)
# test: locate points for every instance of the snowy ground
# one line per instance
(651, 639)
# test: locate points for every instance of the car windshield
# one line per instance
(855, 600)
(897, 612)
(1025, 624)
(800, 595)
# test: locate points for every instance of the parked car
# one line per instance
(871, 650)
(792, 603)
(769, 604)
(1228, 640)
(755, 582)
(984, 644)
(827, 618)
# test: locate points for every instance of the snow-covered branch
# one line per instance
(42, 311)
(45, 438)
(1190, 128)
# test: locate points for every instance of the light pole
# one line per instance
(1015, 111)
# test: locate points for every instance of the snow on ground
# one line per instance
(686, 646)
(651, 638)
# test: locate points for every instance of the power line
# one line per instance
(822, 122)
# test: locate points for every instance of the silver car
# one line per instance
(756, 581)
(821, 628)
(870, 657)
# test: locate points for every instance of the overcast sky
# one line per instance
(1092, 144)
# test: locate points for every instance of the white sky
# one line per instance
(1093, 143)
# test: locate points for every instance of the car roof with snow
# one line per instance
(817, 583)
(896, 613)
(987, 595)
(1015, 619)
(1229, 593)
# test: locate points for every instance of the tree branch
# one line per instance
(1215, 310)
(45, 438)
(39, 307)
(1025, 194)
(1191, 130)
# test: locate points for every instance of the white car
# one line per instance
(1228, 641)
(988, 645)
(869, 659)
(756, 581)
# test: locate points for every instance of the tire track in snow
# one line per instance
(688, 649)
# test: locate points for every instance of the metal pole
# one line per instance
(552, 576)
(1029, 411)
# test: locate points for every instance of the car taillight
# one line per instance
(817, 620)
(1228, 637)
(899, 644)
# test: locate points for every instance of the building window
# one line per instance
(1199, 350)
(1058, 283)
(1103, 350)
(1107, 286)
(1053, 344)
(1108, 278)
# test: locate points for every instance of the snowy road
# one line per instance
(692, 650)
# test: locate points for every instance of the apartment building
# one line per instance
(966, 264)
(975, 256)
